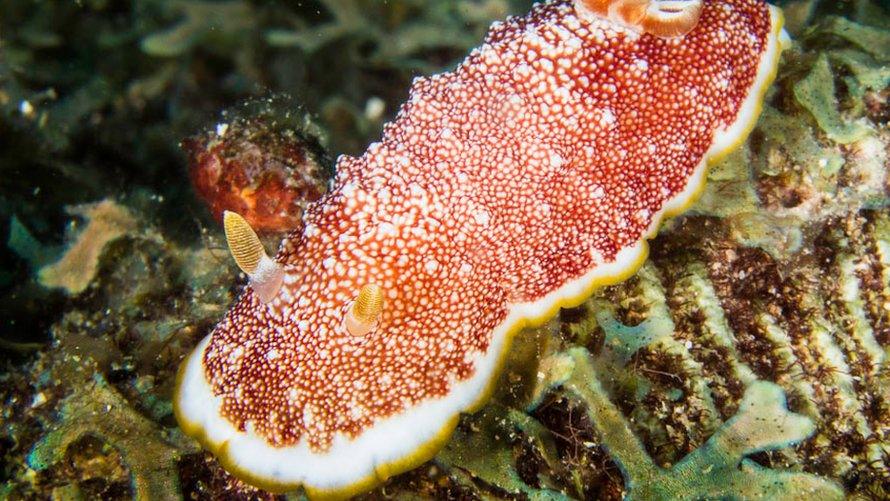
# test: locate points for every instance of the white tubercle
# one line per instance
(266, 279)
(364, 311)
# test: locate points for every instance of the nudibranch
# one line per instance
(505, 189)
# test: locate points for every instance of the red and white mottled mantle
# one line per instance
(503, 190)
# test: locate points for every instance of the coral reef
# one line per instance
(772, 293)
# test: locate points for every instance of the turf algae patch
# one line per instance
(491, 449)
(870, 39)
(847, 78)
(719, 468)
(711, 333)
(817, 94)
(97, 410)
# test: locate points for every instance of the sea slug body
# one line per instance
(505, 189)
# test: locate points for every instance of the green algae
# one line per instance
(729, 190)
(348, 19)
(486, 451)
(795, 134)
(870, 39)
(622, 341)
(718, 469)
(98, 410)
(201, 23)
(867, 72)
(780, 236)
(135, 339)
(26, 246)
(816, 93)
(399, 34)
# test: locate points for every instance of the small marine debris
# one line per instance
(265, 165)
(106, 221)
